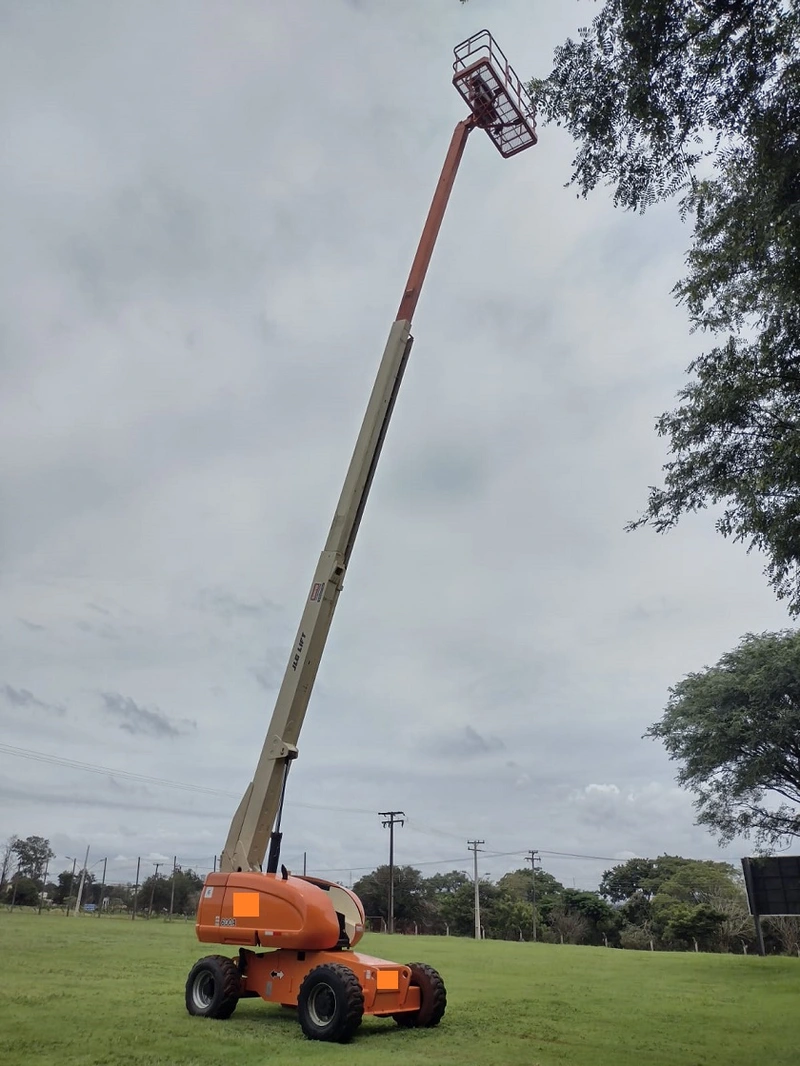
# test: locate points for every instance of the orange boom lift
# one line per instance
(295, 935)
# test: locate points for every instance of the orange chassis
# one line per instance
(297, 918)
(276, 976)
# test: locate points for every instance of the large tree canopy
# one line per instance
(701, 99)
(33, 854)
(735, 730)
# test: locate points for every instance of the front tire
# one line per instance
(213, 987)
(330, 1004)
(432, 995)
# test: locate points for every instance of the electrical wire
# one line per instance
(129, 775)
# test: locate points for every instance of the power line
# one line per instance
(74, 764)
(460, 858)
(185, 786)
(129, 775)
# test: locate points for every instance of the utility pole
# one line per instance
(44, 884)
(473, 847)
(304, 864)
(69, 890)
(102, 886)
(533, 857)
(391, 818)
(175, 869)
(81, 884)
(136, 888)
(153, 888)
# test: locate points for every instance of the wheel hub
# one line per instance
(322, 1004)
(203, 990)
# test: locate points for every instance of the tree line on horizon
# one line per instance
(669, 903)
(25, 882)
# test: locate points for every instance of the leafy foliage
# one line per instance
(702, 98)
(159, 889)
(23, 892)
(675, 901)
(520, 885)
(409, 893)
(6, 859)
(691, 880)
(735, 729)
(682, 923)
(32, 854)
(669, 900)
(66, 886)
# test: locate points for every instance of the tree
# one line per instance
(601, 919)
(66, 886)
(786, 930)
(33, 854)
(735, 730)
(703, 880)
(446, 884)
(632, 877)
(24, 891)
(701, 98)
(507, 918)
(569, 926)
(685, 924)
(641, 877)
(409, 893)
(6, 858)
(520, 885)
(736, 928)
(159, 888)
(457, 909)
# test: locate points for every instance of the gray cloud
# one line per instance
(139, 720)
(98, 608)
(48, 797)
(24, 699)
(102, 629)
(466, 743)
(229, 605)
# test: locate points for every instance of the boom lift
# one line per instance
(295, 935)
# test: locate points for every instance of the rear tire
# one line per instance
(432, 995)
(330, 1004)
(213, 987)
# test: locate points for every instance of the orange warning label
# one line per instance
(245, 904)
(388, 980)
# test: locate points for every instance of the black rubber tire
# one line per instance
(433, 999)
(213, 987)
(330, 1004)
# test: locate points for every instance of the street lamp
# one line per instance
(71, 879)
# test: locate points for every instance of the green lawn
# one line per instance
(109, 991)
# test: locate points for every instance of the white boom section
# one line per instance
(252, 824)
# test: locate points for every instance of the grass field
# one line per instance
(109, 992)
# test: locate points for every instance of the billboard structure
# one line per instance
(773, 888)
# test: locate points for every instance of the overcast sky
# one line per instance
(209, 212)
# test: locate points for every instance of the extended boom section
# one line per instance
(250, 832)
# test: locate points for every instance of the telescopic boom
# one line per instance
(496, 105)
